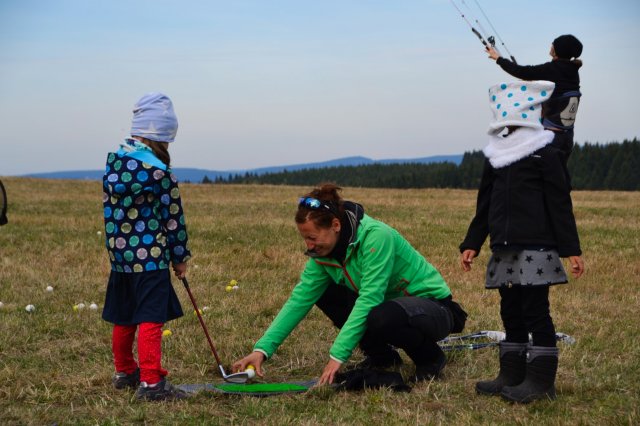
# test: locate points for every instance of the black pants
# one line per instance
(525, 310)
(564, 142)
(390, 324)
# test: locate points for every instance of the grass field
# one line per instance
(55, 363)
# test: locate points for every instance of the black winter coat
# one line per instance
(525, 205)
(562, 72)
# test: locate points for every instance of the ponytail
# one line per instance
(327, 193)
(161, 150)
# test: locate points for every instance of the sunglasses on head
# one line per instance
(315, 204)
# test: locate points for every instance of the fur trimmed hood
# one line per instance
(524, 141)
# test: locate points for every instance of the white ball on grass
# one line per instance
(93, 307)
(49, 288)
(30, 308)
(251, 373)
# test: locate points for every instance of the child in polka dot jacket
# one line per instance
(145, 234)
(524, 205)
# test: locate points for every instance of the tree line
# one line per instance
(612, 166)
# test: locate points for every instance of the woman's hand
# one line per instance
(493, 53)
(466, 259)
(255, 358)
(329, 373)
(577, 266)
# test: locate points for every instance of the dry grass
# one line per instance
(55, 364)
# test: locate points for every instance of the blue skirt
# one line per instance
(134, 298)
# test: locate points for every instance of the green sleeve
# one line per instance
(377, 252)
(313, 282)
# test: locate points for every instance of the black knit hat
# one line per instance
(567, 47)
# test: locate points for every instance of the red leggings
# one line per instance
(149, 350)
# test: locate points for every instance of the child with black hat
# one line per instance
(559, 112)
(524, 205)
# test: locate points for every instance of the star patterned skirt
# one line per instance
(525, 268)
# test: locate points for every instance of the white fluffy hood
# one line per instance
(524, 141)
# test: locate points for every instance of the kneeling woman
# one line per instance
(373, 285)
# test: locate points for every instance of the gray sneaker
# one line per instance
(124, 380)
(162, 391)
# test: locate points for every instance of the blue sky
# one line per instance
(274, 82)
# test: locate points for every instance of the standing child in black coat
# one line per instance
(524, 205)
(559, 111)
(145, 235)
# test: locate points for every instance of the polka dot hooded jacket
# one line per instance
(143, 216)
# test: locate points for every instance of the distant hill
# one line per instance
(197, 175)
(610, 166)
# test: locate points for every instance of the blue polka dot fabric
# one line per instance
(518, 104)
(143, 217)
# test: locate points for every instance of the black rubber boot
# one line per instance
(539, 383)
(512, 369)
